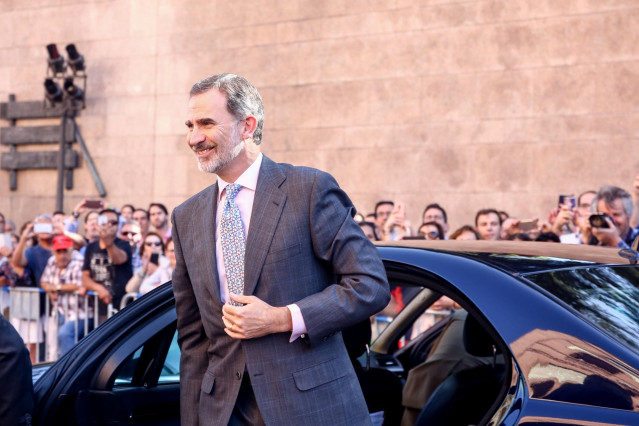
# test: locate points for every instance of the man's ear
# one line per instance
(250, 124)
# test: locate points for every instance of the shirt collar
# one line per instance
(248, 179)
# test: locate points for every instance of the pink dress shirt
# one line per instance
(244, 201)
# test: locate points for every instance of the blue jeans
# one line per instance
(66, 334)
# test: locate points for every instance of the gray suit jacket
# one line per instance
(303, 247)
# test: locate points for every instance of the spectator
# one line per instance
(152, 245)
(579, 219)
(61, 278)
(369, 230)
(11, 276)
(159, 217)
(466, 232)
(396, 226)
(163, 273)
(33, 259)
(141, 216)
(617, 204)
(436, 213)
(107, 262)
(383, 210)
(130, 231)
(71, 223)
(488, 224)
(431, 231)
(126, 211)
(521, 236)
(9, 226)
(59, 222)
(548, 237)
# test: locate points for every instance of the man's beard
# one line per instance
(224, 157)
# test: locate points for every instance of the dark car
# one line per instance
(551, 333)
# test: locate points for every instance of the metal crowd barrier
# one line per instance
(32, 312)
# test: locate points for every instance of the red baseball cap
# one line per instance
(62, 242)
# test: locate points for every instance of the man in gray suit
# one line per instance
(269, 351)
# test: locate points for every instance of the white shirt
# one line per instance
(244, 200)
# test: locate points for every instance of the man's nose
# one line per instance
(195, 136)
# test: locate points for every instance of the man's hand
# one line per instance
(255, 319)
(563, 219)
(607, 236)
(103, 294)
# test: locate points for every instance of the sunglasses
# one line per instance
(110, 222)
(431, 234)
(152, 243)
(127, 233)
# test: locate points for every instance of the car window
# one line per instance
(607, 296)
(171, 368)
(156, 361)
(402, 295)
(125, 376)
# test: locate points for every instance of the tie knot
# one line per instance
(232, 190)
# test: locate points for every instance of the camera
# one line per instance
(154, 258)
(103, 220)
(598, 220)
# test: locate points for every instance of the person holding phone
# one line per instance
(163, 273)
(107, 262)
(152, 256)
(396, 226)
(33, 259)
(613, 230)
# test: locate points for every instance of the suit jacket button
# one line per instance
(238, 375)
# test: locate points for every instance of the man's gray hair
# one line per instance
(243, 99)
(608, 194)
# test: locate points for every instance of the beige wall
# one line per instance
(503, 103)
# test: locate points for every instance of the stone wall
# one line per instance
(503, 103)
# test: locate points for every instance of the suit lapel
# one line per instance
(267, 208)
(208, 207)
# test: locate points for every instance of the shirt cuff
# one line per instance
(299, 326)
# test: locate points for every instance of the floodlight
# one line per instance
(73, 92)
(53, 93)
(75, 61)
(55, 60)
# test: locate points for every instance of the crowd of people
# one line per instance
(130, 250)
(606, 217)
(119, 251)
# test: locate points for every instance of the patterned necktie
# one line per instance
(233, 243)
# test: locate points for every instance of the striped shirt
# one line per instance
(72, 274)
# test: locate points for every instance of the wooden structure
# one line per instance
(16, 136)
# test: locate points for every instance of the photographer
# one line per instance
(396, 226)
(609, 225)
(107, 262)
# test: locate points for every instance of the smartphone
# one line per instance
(93, 204)
(598, 220)
(567, 199)
(154, 258)
(5, 240)
(527, 225)
(43, 228)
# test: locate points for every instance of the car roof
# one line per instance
(520, 256)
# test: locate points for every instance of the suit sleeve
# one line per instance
(191, 336)
(362, 289)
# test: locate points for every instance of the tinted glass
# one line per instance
(607, 296)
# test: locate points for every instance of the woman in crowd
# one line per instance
(153, 260)
(161, 274)
(127, 211)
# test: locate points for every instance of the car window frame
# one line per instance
(156, 331)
